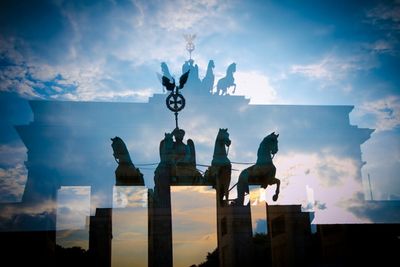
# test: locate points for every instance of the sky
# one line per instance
(287, 53)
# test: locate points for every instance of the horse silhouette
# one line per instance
(226, 82)
(207, 83)
(126, 173)
(263, 172)
(219, 173)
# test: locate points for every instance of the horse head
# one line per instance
(117, 146)
(211, 64)
(231, 68)
(223, 136)
(272, 144)
(222, 141)
(121, 153)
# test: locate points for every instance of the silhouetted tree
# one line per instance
(211, 260)
(261, 253)
(75, 256)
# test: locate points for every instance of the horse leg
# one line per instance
(227, 175)
(278, 183)
(242, 187)
(240, 194)
(225, 192)
(221, 195)
(234, 88)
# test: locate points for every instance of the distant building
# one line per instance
(357, 245)
(290, 234)
(333, 245)
(235, 236)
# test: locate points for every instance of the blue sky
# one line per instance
(287, 52)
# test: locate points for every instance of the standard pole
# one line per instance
(176, 119)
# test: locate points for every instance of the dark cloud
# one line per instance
(316, 205)
(381, 211)
(319, 205)
(378, 211)
(12, 183)
(39, 25)
(31, 20)
(28, 222)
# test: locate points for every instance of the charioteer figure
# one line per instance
(184, 155)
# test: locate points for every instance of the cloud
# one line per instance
(124, 196)
(73, 207)
(385, 16)
(334, 171)
(75, 190)
(373, 211)
(331, 69)
(147, 31)
(29, 217)
(382, 46)
(29, 78)
(193, 189)
(155, 34)
(95, 56)
(312, 206)
(11, 155)
(12, 183)
(183, 14)
(328, 181)
(128, 236)
(32, 222)
(79, 80)
(256, 86)
(385, 21)
(384, 113)
(193, 223)
(93, 70)
(314, 71)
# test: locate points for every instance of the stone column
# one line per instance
(159, 220)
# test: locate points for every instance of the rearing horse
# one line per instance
(221, 167)
(263, 172)
(224, 83)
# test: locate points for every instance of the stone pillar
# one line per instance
(100, 236)
(234, 229)
(159, 221)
